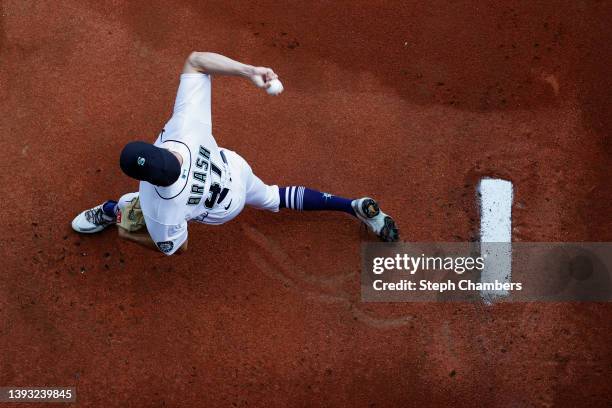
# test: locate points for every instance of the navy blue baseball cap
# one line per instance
(145, 162)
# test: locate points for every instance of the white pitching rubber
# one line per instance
(495, 234)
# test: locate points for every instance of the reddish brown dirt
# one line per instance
(411, 103)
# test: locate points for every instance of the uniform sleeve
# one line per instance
(193, 97)
(167, 238)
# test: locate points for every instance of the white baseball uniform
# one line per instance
(215, 183)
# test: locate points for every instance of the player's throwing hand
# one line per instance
(262, 76)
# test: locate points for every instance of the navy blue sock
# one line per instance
(109, 208)
(304, 199)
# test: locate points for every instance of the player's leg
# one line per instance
(300, 198)
(101, 216)
(366, 209)
(260, 195)
(272, 198)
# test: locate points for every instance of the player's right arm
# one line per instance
(216, 64)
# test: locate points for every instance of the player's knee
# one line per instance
(125, 199)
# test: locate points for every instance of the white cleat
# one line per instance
(92, 221)
(378, 222)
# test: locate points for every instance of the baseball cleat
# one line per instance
(92, 221)
(368, 211)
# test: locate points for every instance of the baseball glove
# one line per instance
(130, 217)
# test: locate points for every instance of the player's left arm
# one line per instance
(217, 64)
(143, 238)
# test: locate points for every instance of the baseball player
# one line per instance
(185, 176)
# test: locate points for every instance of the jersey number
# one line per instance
(216, 195)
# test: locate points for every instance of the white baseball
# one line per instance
(275, 87)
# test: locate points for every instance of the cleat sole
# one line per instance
(390, 232)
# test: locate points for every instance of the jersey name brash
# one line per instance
(202, 163)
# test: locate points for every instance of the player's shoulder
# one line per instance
(184, 130)
(162, 206)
